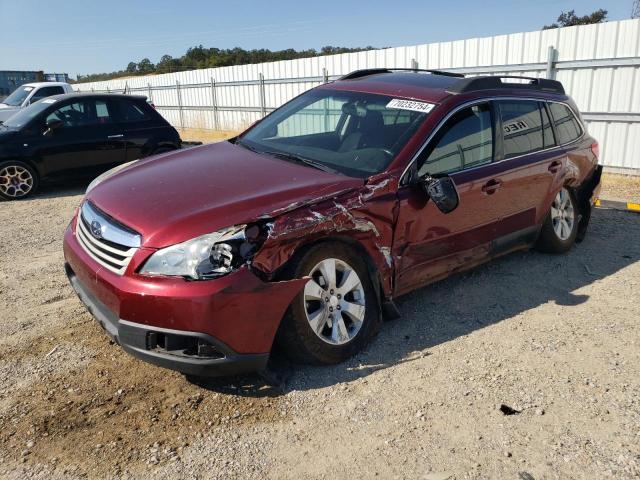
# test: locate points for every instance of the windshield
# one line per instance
(18, 96)
(24, 116)
(355, 133)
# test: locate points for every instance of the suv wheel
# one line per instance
(560, 228)
(17, 180)
(336, 314)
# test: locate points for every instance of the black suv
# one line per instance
(78, 135)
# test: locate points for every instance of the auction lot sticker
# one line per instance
(399, 104)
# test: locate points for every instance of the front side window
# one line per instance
(464, 141)
(71, 115)
(354, 133)
(82, 113)
(567, 126)
(521, 127)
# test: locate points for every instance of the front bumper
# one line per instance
(207, 328)
(206, 356)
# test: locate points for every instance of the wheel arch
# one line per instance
(374, 272)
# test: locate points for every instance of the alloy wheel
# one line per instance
(15, 181)
(562, 215)
(334, 301)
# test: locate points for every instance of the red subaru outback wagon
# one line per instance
(305, 228)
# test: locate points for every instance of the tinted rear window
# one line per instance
(46, 92)
(130, 111)
(567, 126)
(522, 127)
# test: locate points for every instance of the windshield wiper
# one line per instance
(247, 146)
(303, 160)
(290, 157)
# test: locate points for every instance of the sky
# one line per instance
(81, 37)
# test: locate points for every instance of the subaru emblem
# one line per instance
(96, 229)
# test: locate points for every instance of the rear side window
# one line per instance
(521, 127)
(464, 141)
(567, 126)
(46, 92)
(130, 112)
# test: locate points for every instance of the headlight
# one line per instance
(107, 174)
(208, 256)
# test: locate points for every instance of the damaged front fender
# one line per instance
(366, 216)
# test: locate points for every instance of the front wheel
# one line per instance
(560, 228)
(337, 313)
(17, 180)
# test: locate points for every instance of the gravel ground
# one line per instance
(527, 367)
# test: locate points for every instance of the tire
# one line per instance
(334, 316)
(560, 228)
(17, 180)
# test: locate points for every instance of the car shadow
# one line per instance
(67, 189)
(463, 303)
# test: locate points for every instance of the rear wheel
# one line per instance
(336, 314)
(560, 228)
(17, 180)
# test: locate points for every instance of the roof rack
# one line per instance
(470, 84)
(372, 71)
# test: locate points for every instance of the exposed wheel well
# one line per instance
(374, 274)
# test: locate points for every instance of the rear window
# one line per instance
(130, 112)
(44, 92)
(522, 127)
(567, 126)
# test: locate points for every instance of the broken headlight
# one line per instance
(206, 257)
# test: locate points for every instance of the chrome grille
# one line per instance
(103, 239)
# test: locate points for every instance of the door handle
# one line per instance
(555, 166)
(491, 186)
(115, 136)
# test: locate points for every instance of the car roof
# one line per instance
(44, 84)
(427, 87)
(435, 86)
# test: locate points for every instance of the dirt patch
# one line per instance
(204, 135)
(109, 404)
(621, 187)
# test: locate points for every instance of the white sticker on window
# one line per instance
(28, 89)
(49, 100)
(515, 126)
(400, 104)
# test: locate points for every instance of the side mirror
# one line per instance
(443, 193)
(52, 124)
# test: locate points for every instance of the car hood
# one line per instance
(6, 111)
(180, 195)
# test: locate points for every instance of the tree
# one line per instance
(202, 57)
(569, 19)
(145, 66)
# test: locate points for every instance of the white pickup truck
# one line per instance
(30, 93)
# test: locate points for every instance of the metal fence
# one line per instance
(598, 65)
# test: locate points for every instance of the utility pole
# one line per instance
(635, 10)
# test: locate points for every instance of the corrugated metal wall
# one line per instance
(598, 65)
